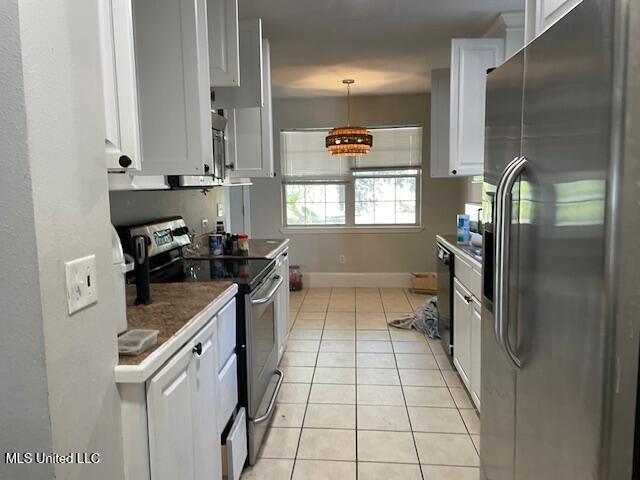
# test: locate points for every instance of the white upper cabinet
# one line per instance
(250, 93)
(470, 60)
(172, 54)
(542, 14)
(458, 107)
(122, 134)
(250, 133)
(440, 95)
(224, 47)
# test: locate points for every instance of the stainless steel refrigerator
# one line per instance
(561, 287)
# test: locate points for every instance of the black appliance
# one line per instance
(445, 296)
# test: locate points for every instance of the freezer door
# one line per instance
(502, 145)
(561, 325)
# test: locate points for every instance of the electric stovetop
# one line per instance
(246, 273)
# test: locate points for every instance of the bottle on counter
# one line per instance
(243, 244)
(234, 245)
(464, 229)
(227, 244)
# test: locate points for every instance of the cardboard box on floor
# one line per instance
(426, 283)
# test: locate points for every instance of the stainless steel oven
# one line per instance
(263, 377)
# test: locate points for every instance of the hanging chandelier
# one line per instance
(349, 141)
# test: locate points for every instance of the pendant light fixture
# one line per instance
(349, 141)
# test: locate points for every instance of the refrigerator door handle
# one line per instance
(502, 258)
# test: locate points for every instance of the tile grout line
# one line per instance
(406, 407)
(295, 457)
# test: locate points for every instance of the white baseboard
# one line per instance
(375, 280)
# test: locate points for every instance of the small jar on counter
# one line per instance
(243, 244)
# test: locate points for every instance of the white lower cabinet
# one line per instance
(282, 302)
(182, 419)
(462, 331)
(173, 418)
(476, 360)
(466, 339)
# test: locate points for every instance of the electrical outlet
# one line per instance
(220, 209)
(82, 285)
(342, 259)
(204, 225)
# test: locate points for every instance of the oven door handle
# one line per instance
(272, 402)
(277, 282)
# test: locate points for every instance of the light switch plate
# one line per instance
(82, 285)
(220, 209)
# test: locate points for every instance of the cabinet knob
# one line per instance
(454, 172)
(198, 349)
(124, 161)
(467, 298)
(207, 168)
(231, 166)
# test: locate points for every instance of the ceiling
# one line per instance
(387, 46)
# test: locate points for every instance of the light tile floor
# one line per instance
(364, 400)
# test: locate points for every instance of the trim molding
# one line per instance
(374, 280)
(314, 230)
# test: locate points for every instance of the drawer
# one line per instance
(227, 391)
(226, 333)
(469, 276)
(234, 450)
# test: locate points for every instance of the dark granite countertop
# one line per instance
(174, 305)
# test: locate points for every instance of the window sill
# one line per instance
(350, 230)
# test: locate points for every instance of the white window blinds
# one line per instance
(304, 155)
(393, 147)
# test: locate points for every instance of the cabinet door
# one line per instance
(470, 60)
(440, 104)
(251, 89)
(542, 14)
(462, 331)
(173, 74)
(181, 403)
(171, 413)
(120, 89)
(204, 369)
(224, 52)
(250, 135)
(476, 361)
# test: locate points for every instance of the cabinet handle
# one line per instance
(207, 168)
(467, 298)
(231, 166)
(197, 349)
(125, 161)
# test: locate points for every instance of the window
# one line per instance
(315, 204)
(386, 197)
(378, 189)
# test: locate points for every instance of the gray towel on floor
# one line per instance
(425, 319)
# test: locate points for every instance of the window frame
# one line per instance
(350, 204)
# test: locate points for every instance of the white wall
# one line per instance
(24, 403)
(379, 252)
(58, 211)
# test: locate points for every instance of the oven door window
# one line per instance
(264, 335)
